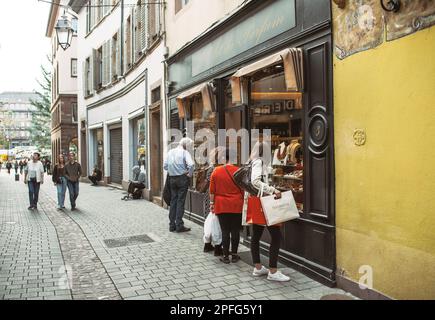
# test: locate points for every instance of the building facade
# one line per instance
(268, 65)
(121, 77)
(64, 117)
(15, 118)
(306, 71)
(384, 80)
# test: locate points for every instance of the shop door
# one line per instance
(156, 154)
(116, 155)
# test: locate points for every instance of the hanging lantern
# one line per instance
(64, 32)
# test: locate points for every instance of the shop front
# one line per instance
(97, 142)
(268, 66)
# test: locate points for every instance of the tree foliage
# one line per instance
(41, 119)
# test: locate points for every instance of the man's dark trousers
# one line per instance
(179, 186)
(73, 189)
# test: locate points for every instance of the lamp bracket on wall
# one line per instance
(391, 5)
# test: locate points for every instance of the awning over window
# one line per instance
(207, 98)
(293, 71)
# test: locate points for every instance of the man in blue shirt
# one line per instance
(180, 165)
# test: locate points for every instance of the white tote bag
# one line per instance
(279, 210)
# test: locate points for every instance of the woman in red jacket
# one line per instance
(226, 201)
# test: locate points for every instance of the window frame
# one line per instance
(71, 69)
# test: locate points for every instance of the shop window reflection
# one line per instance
(273, 107)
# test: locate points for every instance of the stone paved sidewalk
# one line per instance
(168, 266)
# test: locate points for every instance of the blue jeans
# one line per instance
(73, 189)
(61, 190)
(179, 186)
(33, 192)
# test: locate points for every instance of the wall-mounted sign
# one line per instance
(359, 137)
(266, 23)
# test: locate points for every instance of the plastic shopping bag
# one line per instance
(207, 228)
(216, 232)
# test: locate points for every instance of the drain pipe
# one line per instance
(122, 39)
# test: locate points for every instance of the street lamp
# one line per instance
(64, 31)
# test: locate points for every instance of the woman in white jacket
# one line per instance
(256, 217)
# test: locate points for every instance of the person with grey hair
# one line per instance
(180, 165)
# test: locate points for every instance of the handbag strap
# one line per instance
(232, 178)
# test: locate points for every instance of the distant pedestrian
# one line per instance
(16, 166)
(73, 171)
(60, 181)
(96, 176)
(179, 164)
(21, 165)
(34, 177)
(226, 201)
(9, 167)
(48, 166)
(1, 165)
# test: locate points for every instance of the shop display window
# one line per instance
(140, 151)
(202, 118)
(273, 107)
(99, 150)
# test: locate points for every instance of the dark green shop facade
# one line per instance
(301, 120)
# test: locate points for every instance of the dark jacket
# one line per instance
(56, 174)
(98, 174)
(73, 171)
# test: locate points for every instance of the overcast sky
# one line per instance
(23, 45)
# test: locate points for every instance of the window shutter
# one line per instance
(152, 22)
(118, 53)
(96, 69)
(93, 11)
(108, 62)
(178, 5)
(127, 44)
(133, 35)
(91, 74)
(88, 19)
(106, 8)
(136, 32)
(144, 29)
(103, 65)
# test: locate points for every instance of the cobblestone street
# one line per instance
(42, 251)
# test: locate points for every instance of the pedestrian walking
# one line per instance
(255, 216)
(16, 166)
(226, 201)
(9, 167)
(180, 165)
(21, 165)
(73, 171)
(48, 166)
(60, 181)
(34, 177)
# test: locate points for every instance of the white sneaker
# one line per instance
(262, 272)
(277, 276)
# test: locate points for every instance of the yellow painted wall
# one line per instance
(385, 190)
